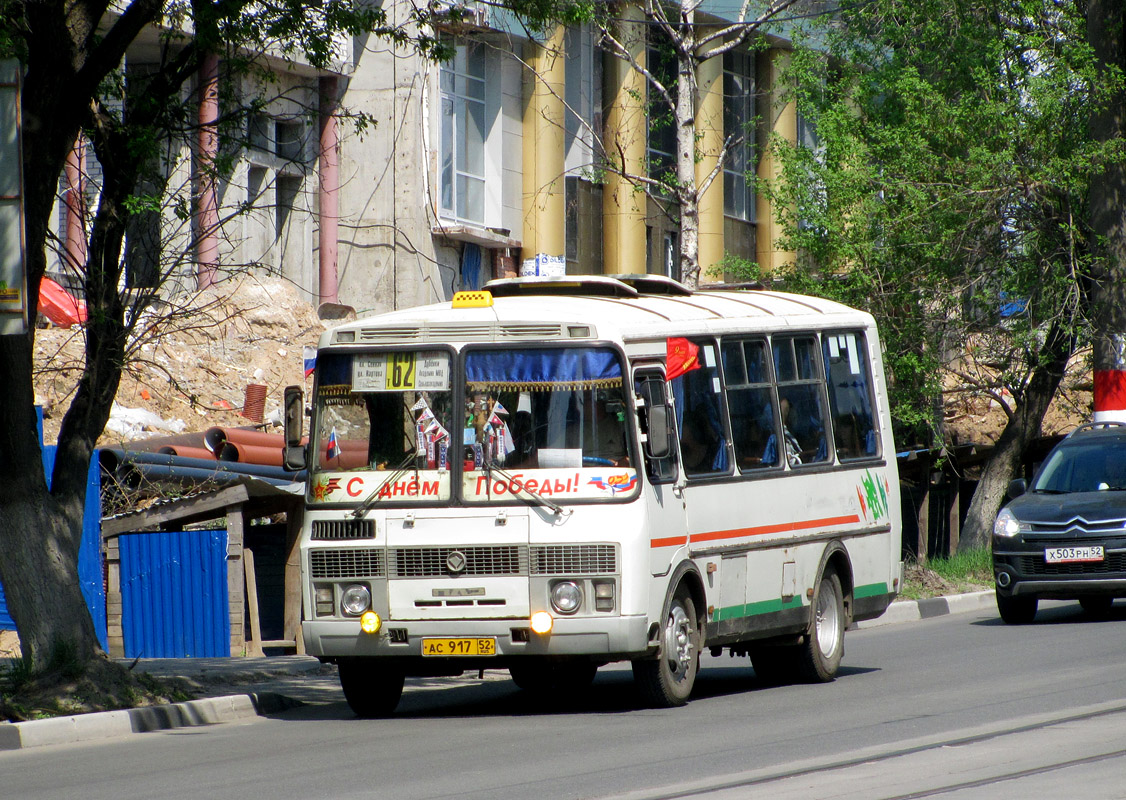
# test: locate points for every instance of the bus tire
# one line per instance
(667, 680)
(371, 687)
(819, 654)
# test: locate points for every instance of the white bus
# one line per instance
(546, 476)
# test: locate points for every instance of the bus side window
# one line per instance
(801, 400)
(697, 400)
(849, 378)
(650, 388)
(746, 374)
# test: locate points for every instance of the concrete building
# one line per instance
(473, 166)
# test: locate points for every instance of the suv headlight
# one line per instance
(1007, 525)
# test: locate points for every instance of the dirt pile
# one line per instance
(191, 367)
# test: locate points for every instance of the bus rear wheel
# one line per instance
(667, 681)
(372, 687)
(819, 654)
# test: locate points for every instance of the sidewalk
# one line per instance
(233, 689)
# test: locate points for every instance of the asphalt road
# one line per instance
(959, 695)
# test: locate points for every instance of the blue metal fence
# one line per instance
(174, 594)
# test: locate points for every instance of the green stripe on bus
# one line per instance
(770, 606)
(753, 609)
(870, 590)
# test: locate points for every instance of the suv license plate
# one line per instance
(477, 646)
(1065, 555)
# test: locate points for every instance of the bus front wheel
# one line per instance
(819, 655)
(371, 687)
(667, 681)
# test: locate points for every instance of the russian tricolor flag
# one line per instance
(333, 444)
(310, 354)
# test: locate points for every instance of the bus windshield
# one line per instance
(553, 420)
(383, 425)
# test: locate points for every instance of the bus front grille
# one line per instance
(426, 562)
(346, 563)
(339, 529)
(574, 559)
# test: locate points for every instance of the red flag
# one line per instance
(681, 356)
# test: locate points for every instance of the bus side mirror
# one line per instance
(1017, 487)
(657, 445)
(293, 456)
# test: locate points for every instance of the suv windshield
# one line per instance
(1091, 466)
(383, 423)
(553, 420)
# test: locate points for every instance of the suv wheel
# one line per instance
(1016, 610)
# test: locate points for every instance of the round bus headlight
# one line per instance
(355, 600)
(566, 597)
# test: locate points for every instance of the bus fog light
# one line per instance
(370, 622)
(566, 597)
(542, 622)
(355, 600)
(604, 596)
(324, 601)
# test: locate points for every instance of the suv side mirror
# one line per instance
(1017, 487)
(293, 456)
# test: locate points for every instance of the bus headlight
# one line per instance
(566, 597)
(355, 600)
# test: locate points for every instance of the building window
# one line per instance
(463, 133)
(739, 120)
(661, 141)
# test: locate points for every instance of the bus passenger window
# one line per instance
(800, 400)
(848, 376)
(746, 371)
(703, 441)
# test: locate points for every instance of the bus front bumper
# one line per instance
(615, 638)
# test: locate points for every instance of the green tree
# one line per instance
(73, 55)
(948, 193)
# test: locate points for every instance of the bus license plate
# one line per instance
(1066, 555)
(459, 647)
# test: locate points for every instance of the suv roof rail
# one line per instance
(1095, 426)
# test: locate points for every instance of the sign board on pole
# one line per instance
(13, 276)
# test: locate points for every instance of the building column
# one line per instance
(207, 209)
(709, 143)
(75, 200)
(544, 187)
(781, 119)
(328, 214)
(623, 205)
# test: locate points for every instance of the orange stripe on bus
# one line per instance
(671, 541)
(780, 527)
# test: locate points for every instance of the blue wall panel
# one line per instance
(174, 594)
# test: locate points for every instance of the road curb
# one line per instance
(913, 610)
(108, 724)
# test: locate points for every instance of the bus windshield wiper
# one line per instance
(397, 473)
(555, 508)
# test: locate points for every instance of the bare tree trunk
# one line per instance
(1023, 427)
(688, 193)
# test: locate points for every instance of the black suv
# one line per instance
(1064, 536)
